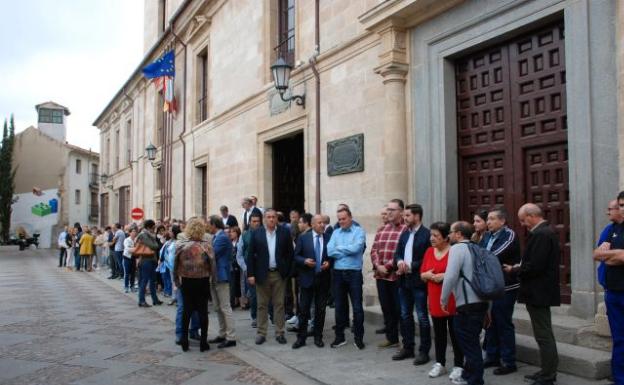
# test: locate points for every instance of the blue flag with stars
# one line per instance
(164, 66)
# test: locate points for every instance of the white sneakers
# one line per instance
(456, 376)
(293, 320)
(437, 370)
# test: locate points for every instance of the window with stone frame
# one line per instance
(286, 31)
(202, 84)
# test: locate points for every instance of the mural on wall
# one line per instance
(37, 212)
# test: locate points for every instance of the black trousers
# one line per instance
(195, 292)
(62, 256)
(442, 326)
(388, 292)
(318, 292)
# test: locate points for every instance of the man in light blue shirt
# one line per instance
(346, 248)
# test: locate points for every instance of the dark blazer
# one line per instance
(421, 244)
(258, 265)
(231, 221)
(222, 247)
(506, 247)
(255, 210)
(328, 232)
(304, 250)
(539, 271)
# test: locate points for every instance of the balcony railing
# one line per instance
(94, 211)
(94, 179)
(286, 50)
(203, 108)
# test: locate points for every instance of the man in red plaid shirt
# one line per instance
(382, 257)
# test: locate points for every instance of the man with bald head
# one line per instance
(539, 287)
(313, 274)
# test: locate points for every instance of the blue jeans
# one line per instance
(77, 258)
(119, 263)
(348, 283)
(501, 335)
(468, 324)
(615, 310)
(194, 329)
(166, 277)
(411, 298)
(147, 270)
(129, 266)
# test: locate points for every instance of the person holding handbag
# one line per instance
(146, 248)
(193, 268)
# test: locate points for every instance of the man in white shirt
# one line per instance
(62, 244)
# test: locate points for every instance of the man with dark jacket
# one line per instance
(270, 265)
(500, 335)
(222, 247)
(412, 290)
(147, 263)
(313, 266)
(539, 287)
(611, 253)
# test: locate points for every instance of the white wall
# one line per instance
(22, 216)
(78, 212)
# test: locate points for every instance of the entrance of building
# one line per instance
(512, 132)
(288, 175)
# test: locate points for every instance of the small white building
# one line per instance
(56, 183)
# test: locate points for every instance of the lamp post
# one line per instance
(281, 76)
(103, 178)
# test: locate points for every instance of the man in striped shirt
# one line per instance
(382, 257)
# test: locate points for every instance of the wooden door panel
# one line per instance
(512, 132)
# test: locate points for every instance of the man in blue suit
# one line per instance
(270, 265)
(222, 247)
(313, 268)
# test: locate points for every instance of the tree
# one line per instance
(7, 179)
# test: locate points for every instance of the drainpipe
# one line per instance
(317, 105)
(183, 127)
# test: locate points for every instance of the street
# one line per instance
(61, 327)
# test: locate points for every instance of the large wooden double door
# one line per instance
(512, 132)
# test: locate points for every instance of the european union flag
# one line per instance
(164, 66)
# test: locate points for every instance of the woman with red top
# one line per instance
(432, 271)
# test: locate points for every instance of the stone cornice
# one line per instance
(413, 12)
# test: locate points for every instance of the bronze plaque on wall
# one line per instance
(345, 155)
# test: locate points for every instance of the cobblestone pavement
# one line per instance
(60, 327)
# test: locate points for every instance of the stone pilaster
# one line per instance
(393, 68)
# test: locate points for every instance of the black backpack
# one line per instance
(488, 281)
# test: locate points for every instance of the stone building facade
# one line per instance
(49, 168)
(462, 105)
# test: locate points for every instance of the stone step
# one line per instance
(584, 361)
(577, 360)
(567, 329)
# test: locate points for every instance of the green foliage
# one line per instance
(7, 178)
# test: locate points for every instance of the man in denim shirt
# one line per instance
(346, 247)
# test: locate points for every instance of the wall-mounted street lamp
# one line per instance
(281, 76)
(150, 152)
(103, 178)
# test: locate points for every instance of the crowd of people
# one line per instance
(289, 270)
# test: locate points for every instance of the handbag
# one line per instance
(140, 250)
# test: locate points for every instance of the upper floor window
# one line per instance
(117, 150)
(129, 141)
(286, 31)
(77, 196)
(78, 166)
(47, 115)
(202, 94)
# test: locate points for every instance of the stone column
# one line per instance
(393, 68)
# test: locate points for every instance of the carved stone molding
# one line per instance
(393, 62)
(196, 24)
